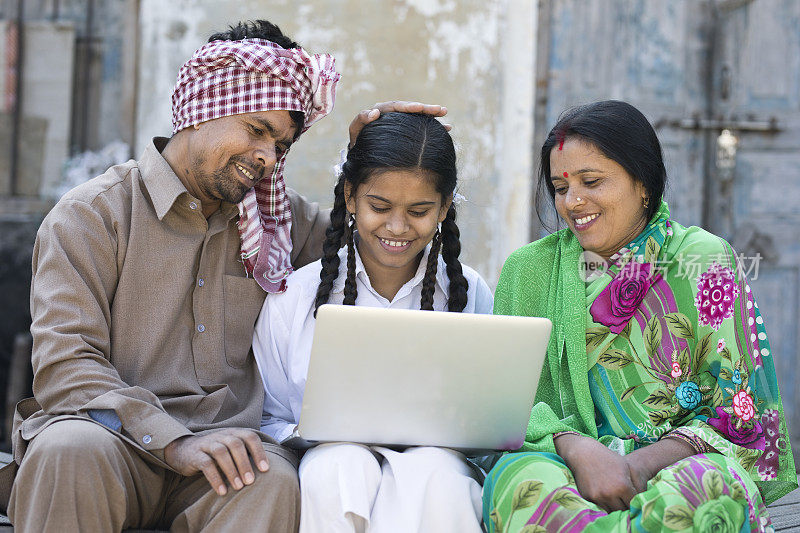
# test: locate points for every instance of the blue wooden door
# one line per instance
(695, 68)
(756, 90)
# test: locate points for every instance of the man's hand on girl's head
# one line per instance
(368, 115)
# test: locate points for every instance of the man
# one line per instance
(147, 282)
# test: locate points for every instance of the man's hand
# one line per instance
(368, 115)
(602, 476)
(225, 452)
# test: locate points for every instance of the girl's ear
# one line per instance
(445, 208)
(349, 200)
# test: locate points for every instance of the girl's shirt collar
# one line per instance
(442, 281)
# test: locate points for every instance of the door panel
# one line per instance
(759, 46)
(647, 52)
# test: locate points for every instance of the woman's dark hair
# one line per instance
(262, 29)
(622, 133)
(392, 142)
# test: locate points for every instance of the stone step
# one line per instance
(785, 512)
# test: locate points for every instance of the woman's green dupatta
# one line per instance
(542, 279)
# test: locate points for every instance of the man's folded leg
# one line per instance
(271, 503)
(79, 476)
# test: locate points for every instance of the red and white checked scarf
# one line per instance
(231, 77)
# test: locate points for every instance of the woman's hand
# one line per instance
(611, 480)
(640, 472)
(647, 461)
(368, 115)
(603, 477)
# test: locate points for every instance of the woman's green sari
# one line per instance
(668, 339)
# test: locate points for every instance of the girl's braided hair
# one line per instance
(397, 141)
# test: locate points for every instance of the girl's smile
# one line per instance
(395, 246)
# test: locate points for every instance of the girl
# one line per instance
(394, 209)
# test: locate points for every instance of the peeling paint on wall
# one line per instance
(432, 8)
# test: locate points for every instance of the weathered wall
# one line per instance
(17, 233)
(46, 95)
(474, 56)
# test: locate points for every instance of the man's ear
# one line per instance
(349, 200)
(445, 208)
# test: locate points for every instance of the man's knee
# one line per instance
(81, 444)
(280, 480)
(61, 462)
(271, 502)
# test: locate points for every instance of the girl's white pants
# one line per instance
(353, 487)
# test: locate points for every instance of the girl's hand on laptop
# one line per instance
(225, 452)
(368, 115)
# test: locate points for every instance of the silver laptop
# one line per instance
(405, 378)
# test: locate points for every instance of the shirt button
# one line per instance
(201, 328)
(146, 439)
(193, 205)
(201, 282)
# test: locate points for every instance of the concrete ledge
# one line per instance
(785, 512)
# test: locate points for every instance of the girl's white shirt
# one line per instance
(285, 329)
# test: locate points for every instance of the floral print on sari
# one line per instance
(694, 353)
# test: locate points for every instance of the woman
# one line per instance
(658, 407)
(393, 208)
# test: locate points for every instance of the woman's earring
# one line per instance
(646, 203)
(352, 221)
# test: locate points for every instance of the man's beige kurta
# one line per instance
(142, 306)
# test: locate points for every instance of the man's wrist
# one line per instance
(170, 447)
(174, 441)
